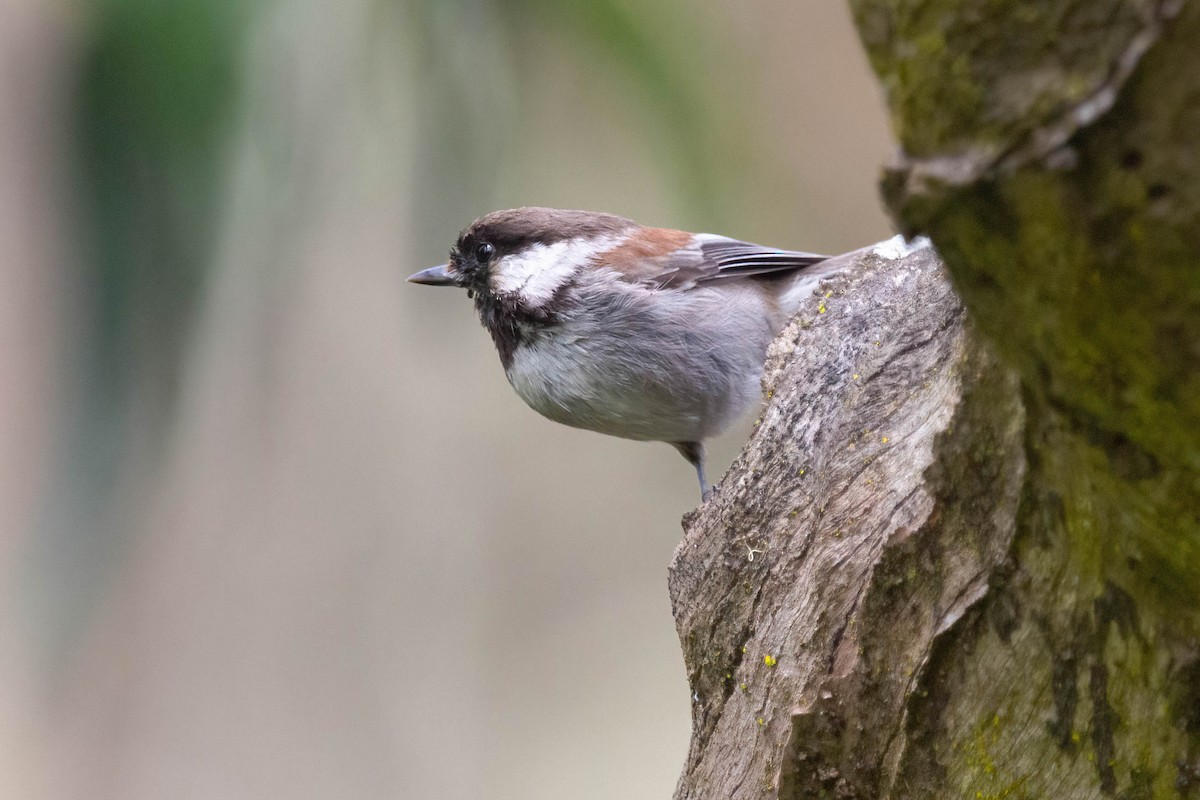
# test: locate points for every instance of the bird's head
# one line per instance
(524, 259)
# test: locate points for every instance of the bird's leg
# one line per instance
(694, 453)
(705, 489)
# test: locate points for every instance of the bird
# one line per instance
(645, 333)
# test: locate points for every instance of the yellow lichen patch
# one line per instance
(769, 660)
(977, 755)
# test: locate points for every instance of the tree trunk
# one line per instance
(961, 555)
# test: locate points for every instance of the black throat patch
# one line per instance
(512, 324)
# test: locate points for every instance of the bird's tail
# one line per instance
(805, 281)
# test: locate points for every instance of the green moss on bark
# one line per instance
(1083, 269)
(1087, 279)
(973, 75)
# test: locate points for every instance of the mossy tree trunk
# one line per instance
(961, 555)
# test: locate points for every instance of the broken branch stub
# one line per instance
(863, 521)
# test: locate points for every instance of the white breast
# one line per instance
(641, 369)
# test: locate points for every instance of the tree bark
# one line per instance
(960, 557)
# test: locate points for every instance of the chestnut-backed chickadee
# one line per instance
(645, 333)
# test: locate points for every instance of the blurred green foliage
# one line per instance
(158, 85)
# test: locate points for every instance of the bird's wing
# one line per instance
(717, 258)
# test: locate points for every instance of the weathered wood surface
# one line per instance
(864, 518)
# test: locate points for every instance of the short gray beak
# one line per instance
(434, 276)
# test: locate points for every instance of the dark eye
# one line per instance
(484, 252)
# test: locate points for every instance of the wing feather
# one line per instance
(717, 258)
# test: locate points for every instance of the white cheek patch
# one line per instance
(538, 271)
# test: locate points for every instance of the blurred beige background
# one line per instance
(272, 523)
